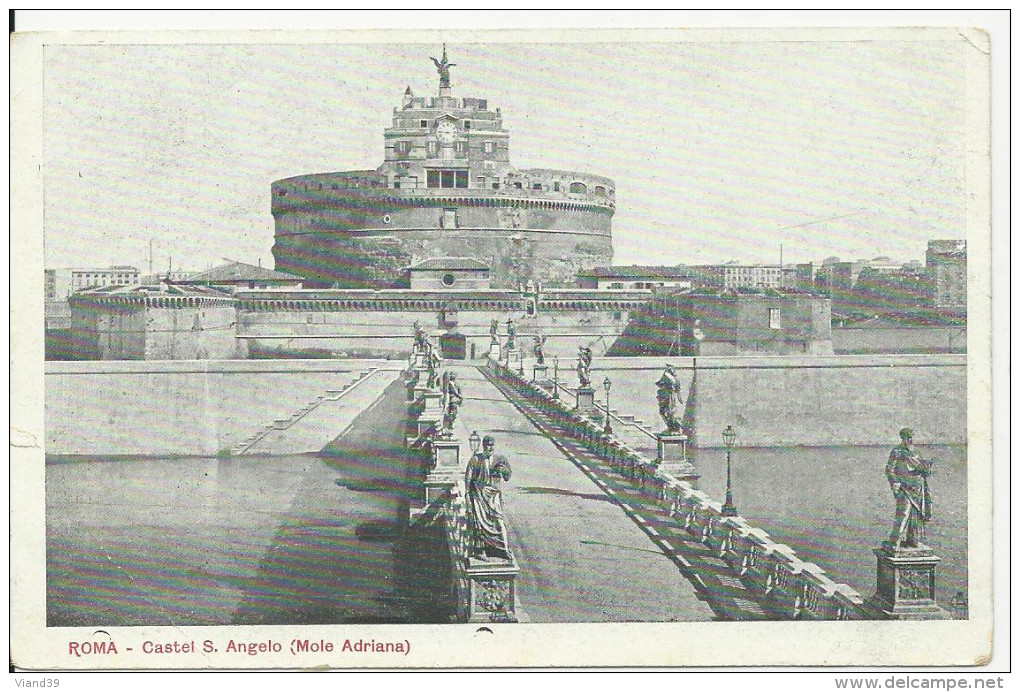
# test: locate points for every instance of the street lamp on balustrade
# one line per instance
(556, 377)
(474, 441)
(729, 436)
(608, 384)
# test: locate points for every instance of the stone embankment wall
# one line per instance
(900, 340)
(186, 408)
(782, 401)
(831, 400)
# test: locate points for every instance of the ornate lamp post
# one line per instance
(474, 441)
(729, 436)
(608, 384)
(556, 377)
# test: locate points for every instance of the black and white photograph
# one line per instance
(622, 348)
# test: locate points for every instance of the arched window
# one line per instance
(578, 188)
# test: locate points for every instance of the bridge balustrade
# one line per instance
(794, 588)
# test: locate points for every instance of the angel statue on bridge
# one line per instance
(419, 337)
(584, 366)
(452, 399)
(494, 333)
(511, 334)
(669, 399)
(488, 535)
(434, 362)
(538, 350)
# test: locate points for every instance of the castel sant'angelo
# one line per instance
(446, 188)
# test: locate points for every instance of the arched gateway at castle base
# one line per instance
(445, 188)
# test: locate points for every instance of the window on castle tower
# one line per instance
(447, 178)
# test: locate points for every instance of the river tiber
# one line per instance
(445, 403)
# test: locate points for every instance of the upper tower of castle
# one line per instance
(445, 142)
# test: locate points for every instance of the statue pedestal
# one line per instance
(540, 373)
(493, 590)
(513, 355)
(426, 424)
(585, 401)
(672, 457)
(418, 361)
(445, 471)
(432, 403)
(494, 352)
(906, 583)
(419, 389)
(411, 379)
(446, 455)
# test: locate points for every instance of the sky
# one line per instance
(721, 150)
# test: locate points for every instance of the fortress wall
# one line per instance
(384, 217)
(389, 334)
(513, 255)
(806, 400)
(179, 407)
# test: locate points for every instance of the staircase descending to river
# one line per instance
(247, 445)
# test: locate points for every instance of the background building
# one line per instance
(946, 262)
(60, 283)
(692, 324)
(446, 188)
(635, 277)
(738, 276)
(449, 273)
(234, 276)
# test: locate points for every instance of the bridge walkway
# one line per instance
(582, 559)
(711, 579)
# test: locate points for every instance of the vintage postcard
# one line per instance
(433, 349)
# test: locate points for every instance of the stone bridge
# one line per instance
(371, 525)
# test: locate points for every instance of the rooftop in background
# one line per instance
(239, 272)
(636, 271)
(144, 290)
(450, 264)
